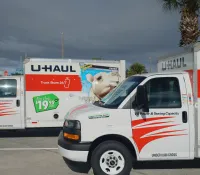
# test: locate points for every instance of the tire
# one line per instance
(118, 150)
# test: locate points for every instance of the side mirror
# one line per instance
(141, 99)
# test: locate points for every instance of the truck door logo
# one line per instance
(142, 129)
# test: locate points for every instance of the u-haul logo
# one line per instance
(175, 63)
(52, 68)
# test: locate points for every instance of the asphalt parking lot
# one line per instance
(35, 153)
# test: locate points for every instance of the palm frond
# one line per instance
(189, 10)
(192, 5)
(169, 5)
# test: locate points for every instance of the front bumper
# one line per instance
(73, 151)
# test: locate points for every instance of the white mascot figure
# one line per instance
(102, 84)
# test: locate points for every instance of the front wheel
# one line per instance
(111, 158)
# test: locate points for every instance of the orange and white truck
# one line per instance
(147, 117)
(50, 87)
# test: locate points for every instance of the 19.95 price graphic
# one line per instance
(45, 102)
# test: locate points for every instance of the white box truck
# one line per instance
(146, 117)
(50, 87)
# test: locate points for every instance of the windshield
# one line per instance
(118, 95)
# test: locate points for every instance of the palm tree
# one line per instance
(189, 10)
(135, 68)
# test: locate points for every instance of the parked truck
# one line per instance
(147, 117)
(50, 87)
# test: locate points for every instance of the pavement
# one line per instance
(35, 153)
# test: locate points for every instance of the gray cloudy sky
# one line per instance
(113, 29)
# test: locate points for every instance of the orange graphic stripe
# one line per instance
(138, 134)
(144, 141)
(6, 110)
(166, 132)
(140, 121)
(79, 108)
(198, 83)
(6, 114)
(2, 109)
(6, 103)
(155, 123)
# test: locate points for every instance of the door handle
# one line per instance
(184, 117)
(18, 103)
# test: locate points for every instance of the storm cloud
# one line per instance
(133, 30)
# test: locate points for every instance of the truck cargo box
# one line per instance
(50, 87)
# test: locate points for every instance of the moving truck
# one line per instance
(147, 117)
(50, 87)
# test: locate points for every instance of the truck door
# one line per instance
(10, 109)
(163, 132)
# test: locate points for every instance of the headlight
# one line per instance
(73, 124)
(72, 130)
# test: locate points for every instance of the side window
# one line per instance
(8, 88)
(164, 93)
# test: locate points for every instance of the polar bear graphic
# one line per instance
(102, 84)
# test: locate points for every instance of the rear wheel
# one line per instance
(111, 158)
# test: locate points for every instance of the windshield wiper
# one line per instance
(101, 102)
(98, 103)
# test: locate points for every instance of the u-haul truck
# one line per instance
(146, 117)
(50, 87)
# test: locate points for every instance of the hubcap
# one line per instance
(112, 162)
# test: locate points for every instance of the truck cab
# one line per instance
(146, 117)
(11, 102)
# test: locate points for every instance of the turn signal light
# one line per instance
(71, 136)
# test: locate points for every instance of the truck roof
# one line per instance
(160, 73)
(35, 59)
(172, 55)
(11, 76)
